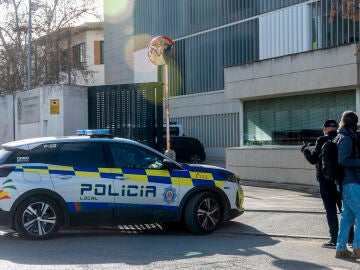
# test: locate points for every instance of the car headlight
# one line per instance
(233, 178)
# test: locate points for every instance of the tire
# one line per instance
(203, 213)
(37, 212)
(195, 159)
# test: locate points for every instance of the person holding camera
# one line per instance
(328, 190)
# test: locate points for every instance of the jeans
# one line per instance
(332, 202)
(350, 214)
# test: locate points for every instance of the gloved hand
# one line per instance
(303, 148)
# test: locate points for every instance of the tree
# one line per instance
(347, 9)
(50, 35)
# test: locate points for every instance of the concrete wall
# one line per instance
(75, 110)
(28, 114)
(6, 119)
(144, 70)
(320, 70)
(33, 117)
(275, 164)
(119, 45)
(209, 103)
(202, 104)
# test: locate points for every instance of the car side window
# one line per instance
(131, 156)
(41, 154)
(85, 154)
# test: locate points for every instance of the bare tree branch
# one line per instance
(50, 38)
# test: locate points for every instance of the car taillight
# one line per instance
(6, 170)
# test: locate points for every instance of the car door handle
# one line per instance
(121, 177)
(64, 176)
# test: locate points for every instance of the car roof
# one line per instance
(28, 144)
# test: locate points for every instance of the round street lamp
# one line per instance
(160, 52)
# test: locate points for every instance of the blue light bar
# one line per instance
(90, 132)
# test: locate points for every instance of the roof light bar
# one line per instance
(92, 132)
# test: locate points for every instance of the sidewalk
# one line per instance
(220, 162)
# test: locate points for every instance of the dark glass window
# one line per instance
(65, 60)
(79, 55)
(102, 52)
(85, 154)
(44, 153)
(292, 120)
(132, 156)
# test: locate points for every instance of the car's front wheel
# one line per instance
(203, 213)
(37, 218)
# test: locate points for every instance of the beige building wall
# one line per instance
(96, 71)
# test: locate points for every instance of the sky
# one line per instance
(99, 4)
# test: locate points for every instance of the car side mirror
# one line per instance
(168, 164)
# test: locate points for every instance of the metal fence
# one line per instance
(132, 111)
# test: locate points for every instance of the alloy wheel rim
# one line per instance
(195, 159)
(208, 213)
(39, 219)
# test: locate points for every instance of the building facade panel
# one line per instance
(311, 71)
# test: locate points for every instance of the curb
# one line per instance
(287, 186)
(277, 235)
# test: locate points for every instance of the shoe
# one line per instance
(329, 245)
(343, 254)
(356, 253)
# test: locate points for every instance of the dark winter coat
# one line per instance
(314, 157)
(348, 156)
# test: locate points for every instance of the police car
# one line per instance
(47, 183)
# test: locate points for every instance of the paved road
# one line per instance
(280, 230)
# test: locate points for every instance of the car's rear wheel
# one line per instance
(37, 218)
(203, 213)
(195, 159)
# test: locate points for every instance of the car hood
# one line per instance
(206, 168)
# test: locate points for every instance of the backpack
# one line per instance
(330, 165)
(332, 170)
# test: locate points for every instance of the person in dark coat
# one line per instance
(349, 158)
(328, 190)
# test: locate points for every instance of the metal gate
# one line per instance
(132, 111)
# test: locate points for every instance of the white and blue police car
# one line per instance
(53, 182)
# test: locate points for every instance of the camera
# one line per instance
(304, 144)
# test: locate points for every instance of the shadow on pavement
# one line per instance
(131, 247)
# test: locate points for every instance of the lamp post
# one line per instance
(29, 50)
(33, 6)
(160, 52)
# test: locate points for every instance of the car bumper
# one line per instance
(5, 218)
